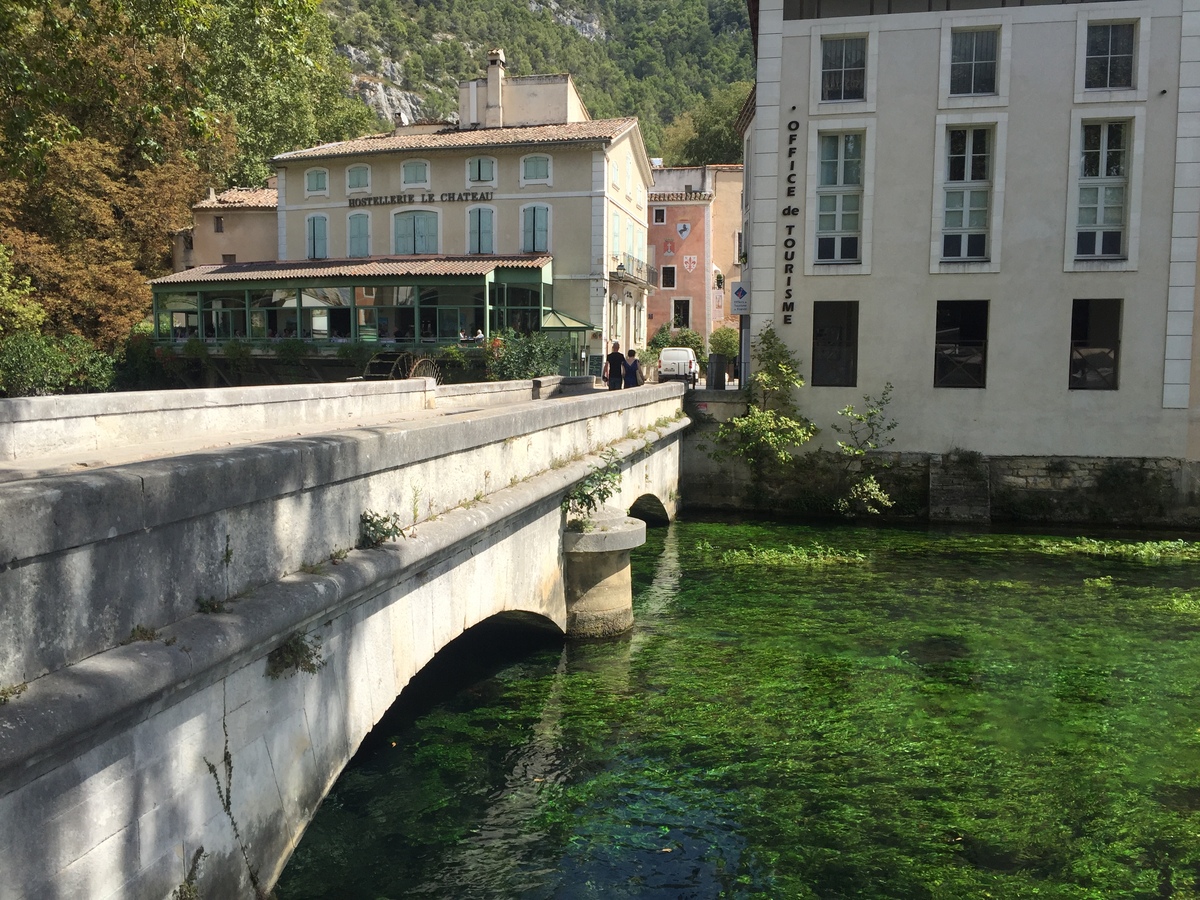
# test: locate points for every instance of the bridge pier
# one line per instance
(596, 579)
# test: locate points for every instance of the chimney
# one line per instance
(493, 114)
(212, 195)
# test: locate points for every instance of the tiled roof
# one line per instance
(372, 267)
(664, 196)
(454, 138)
(242, 198)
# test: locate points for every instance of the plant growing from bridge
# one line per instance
(298, 653)
(375, 528)
(11, 692)
(593, 491)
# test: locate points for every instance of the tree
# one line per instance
(725, 341)
(705, 134)
(18, 310)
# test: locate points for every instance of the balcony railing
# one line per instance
(960, 364)
(1093, 368)
(629, 266)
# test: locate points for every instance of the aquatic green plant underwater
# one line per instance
(808, 713)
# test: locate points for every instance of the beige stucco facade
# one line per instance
(1034, 275)
(526, 157)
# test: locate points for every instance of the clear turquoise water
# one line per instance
(955, 715)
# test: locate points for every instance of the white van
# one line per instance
(678, 364)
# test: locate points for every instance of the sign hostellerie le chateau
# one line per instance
(423, 197)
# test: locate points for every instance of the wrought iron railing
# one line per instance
(1093, 368)
(960, 364)
(629, 266)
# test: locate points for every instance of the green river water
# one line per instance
(803, 712)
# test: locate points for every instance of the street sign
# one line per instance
(739, 300)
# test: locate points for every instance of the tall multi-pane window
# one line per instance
(316, 238)
(415, 172)
(843, 68)
(535, 229)
(1103, 189)
(681, 312)
(973, 62)
(416, 232)
(481, 169)
(835, 343)
(1095, 345)
(358, 178)
(614, 235)
(479, 226)
(839, 197)
(359, 240)
(1109, 62)
(668, 277)
(967, 193)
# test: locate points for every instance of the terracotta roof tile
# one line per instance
(242, 198)
(664, 196)
(372, 267)
(455, 138)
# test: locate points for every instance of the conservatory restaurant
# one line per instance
(403, 301)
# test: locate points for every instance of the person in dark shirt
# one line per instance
(614, 368)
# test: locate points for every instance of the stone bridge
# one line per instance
(156, 548)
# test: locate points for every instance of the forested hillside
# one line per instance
(653, 59)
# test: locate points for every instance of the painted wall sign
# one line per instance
(423, 197)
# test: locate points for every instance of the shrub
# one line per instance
(514, 357)
(724, 341)
(296, 654)
(33, 365)
(357, 354)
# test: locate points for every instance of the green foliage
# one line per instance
(358, 354)
(512, 356)
(772, 428)
(11, 692)
(292, 351)
(453, 358)
(686, 337)
(32, 364)
(187, 889)
(779, 557)
(660, 338)
(705, 134)
(594, 490)
(1133, 551)
(140, 633)
(724, 341)
(239, 354)
(863, 432)
(211, 606)
(375, 528)
(298, 653)
(19, 311)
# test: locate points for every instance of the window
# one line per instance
(839, 197)
(316, 235)
(316, 181)
(535, 229)
(415, 173)
(967, 193)
(416, 232)
(358, 242)
(481, 170)
(843, 68)
(835, 343)
(616, 173)
(668, 276)
(660, 215)
(227, 258)
(628, 175)
(535, 169)
(1103, 183)
(1109, 56)
(480, 231)
(1095, 345)
(960, 344)
(219, 224)
(973, 62)
(358, 178)
(614, 236)
(681, 313)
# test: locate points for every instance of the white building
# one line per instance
(993, 207)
